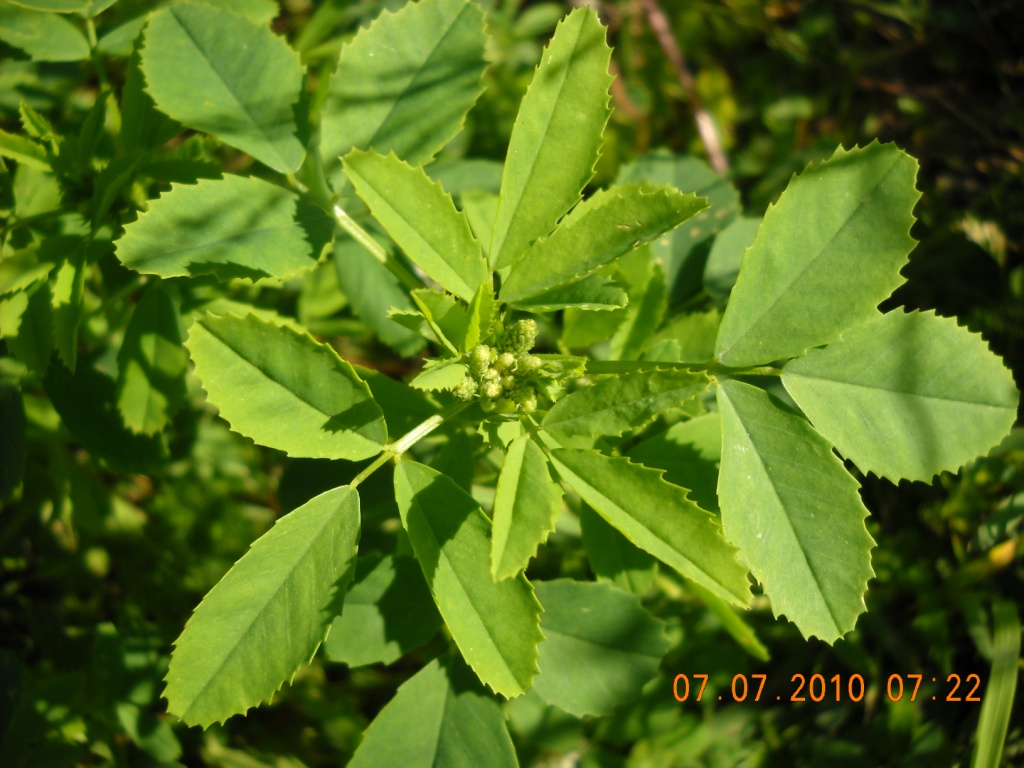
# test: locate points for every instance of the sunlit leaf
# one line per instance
(494, 624)
(269, 613)
(556, 137)
(215, 71)
(230, 227)
(794, 512)
(421, 218)
(826, 254)
(285, 390)
(658, 518)
(618, 403)
(526, 505)
(906, 395)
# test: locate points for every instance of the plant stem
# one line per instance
(409, 439)
(630, 366)
(366, 240)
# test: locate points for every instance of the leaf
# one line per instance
(99, 427)
(151, 363)
(403, 407)
(648, 300)
(658, 518)
(447, 319)
(12, 446)
(689, 453)
(794, 512)
(406, 82)
(439, 718)
(421, 218)
(605, 227)
(726, 255)
(684, 251)
(21, 271)
(591, 293)
(230, 227)
(43, 36)
(906, 395)
(997, 706)
(68, 295)
(372, 290)
(29, 334)
(285, 390)
(526, 504)
(556, 138)
(616, 404)
(494, 624)
(215, 71)
(443, 375)
(827, 253)
(143, 127)
(269, 613)
(56, 6)
(601, 645)
(695, 334)
(23, 150)
(613, 557)
(388, 612)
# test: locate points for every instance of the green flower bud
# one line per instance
(491, 389)
(479, 359)
(508, 382)
(506, 362)
(529, 364)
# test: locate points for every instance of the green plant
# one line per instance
(799, 362)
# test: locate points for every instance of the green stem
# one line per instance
(130, 287)
(409, 439)
(715, 369)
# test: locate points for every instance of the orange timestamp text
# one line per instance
(818, 688)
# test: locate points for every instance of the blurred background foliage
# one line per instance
(99, 568)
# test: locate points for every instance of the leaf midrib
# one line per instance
(918, 395)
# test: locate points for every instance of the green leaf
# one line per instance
(526, 504)
(591, 293)
(285, 390)
(43, 36)
(906, 395)
(605, 227)
(441, 375)
(372, 290)
(388, 612)
(732, 622)
(494, 624)
(648, 300)
(143, 127)
(151, 363)
(658, 518)
(28, 330)
(997, 705)
(440, 718)
(683, 252)
(689, 452)
(403, 406)
(601, 646)
(230, 227)
(269, 613)
(421, 218)
(694, 333)
(215, 71)
(794, 512)
(827, 253)
(556, 138)
(406, 82)
(726, 256)
(613, 557)
(21, 271)
(616, 404)
(57, 6)
(23, 150)
(68, 295)
(12, 446)
(99, 427)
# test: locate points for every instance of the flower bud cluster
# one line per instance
(502, 376)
